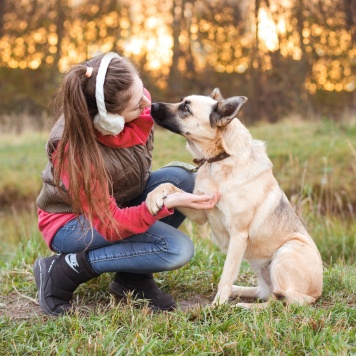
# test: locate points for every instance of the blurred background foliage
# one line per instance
(290, 57)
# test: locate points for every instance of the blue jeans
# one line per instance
(161, 248)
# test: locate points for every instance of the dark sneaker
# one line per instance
(142, 286)
(50, 303)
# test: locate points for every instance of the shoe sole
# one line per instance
(40, 271)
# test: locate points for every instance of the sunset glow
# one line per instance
(213, 45)
(268, 31)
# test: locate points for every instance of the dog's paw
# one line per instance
(155, 202)
(251, 306)
(155, 199)
(220, 299)
(247, 306)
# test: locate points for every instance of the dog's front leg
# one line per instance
(234, 256)
(198, 216)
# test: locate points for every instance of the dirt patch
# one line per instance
(193, 302)
(15, 306)
(18, 307)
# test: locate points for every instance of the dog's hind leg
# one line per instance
(261, 291)
(252, 305)
(296, 274)
(249, 292)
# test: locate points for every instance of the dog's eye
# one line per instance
(185, 107)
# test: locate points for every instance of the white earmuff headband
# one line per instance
(106, 123)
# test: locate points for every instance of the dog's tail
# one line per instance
(292, 296)
(288, 297)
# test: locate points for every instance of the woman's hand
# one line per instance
(194, 201)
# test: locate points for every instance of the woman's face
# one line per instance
(137, 102)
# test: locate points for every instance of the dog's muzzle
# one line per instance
(159, 112)
(154, 106)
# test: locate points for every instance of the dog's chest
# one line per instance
(230, 213)
(219, 217)
(232, 198)
(219, 229)
(207, 181)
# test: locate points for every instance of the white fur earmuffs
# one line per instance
(106, 123)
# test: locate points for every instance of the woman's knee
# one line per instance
(188, 181)
(180, 252)
(183, 179)
(77, 236)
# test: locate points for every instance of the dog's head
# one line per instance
(197, 117)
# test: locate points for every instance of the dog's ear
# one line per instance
(216, 95)
(226, 110)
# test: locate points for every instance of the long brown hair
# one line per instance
(78, 151)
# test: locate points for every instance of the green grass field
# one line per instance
(315, 163)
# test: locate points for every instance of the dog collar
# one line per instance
(217, 158)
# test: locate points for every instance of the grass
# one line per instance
(315, 164)
(22, 159)
(102, 326)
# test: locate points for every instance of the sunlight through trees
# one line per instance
(296, 52)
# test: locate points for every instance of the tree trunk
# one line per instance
(2, 12)
(174, 80)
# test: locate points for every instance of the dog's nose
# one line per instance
(154, 106)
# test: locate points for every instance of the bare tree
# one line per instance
(2, 13)
(174, 78)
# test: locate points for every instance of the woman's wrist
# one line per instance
(188, 200)
(169, 201)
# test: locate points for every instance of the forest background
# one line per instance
(291, 58)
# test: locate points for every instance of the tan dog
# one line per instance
(253, 219)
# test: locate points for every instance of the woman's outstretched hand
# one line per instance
(194, 201)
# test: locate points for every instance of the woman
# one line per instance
(91, 208)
